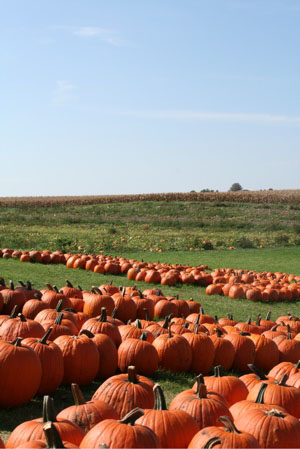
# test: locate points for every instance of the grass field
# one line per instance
(264, 237)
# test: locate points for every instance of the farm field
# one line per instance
(255, 236)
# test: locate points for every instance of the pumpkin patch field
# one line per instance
(162, 339)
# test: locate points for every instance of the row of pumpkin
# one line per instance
(129, 411)
(265, 286)
(55, 343)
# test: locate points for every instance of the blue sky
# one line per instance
(138, 96)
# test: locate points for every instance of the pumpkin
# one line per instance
(20, 373)
(140, 353)
(121, 434)
(86, 414)
(175, 428)
(203, 352)
(102, 326)
(126, 391)
(228, 437)
(108, 356)
(244, 351)
(224, 351)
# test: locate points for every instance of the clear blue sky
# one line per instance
(138, 96)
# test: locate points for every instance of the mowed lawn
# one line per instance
(271, 259)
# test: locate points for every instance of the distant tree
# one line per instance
(235, 187)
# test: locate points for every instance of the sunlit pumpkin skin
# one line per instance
(175, 429)
(174, 352)
(230, 436)
(140, 353)
(271, 428)
(20, 373)
(20, 327)
(86, 414)
(52, 297)
(11, 298)
(280, 394)
(244, 351)
(95, 301)
(202, 405)
(32, 307)
(243, 406)
(81, 358)
(102, 326)
(203, 352)
(126, 391)
(51, 360)
(71, 292)
(289, 349)
(121, 434)
(33, 429)
(126, 308)
(255, 377)
(108, 356)
(282, 368)
(224, 351)
(266, 352)
(231, 387)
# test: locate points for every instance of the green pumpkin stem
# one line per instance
(17, 342)
(261, 394)
(114, 312)
(59, 318)
(228, 424)
(22, 284)
(260, 374)
(68, 283)
(77, 394)
(103, 317)
(159, 398)
(132, 416)
(268, 316)
(38, 296)
(44, 339)
(212, 442)
(283, 380)
(143, 336)
(219, 371)
(52, 435)
(58, 307)
(248, 320)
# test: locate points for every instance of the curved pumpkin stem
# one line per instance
(260, 374)
(68, 283)
(261, 394)
(87, 333)
(14, 312)
(274, 412)
(228, 424)
(212, 442)
(218, 332)
(22, 317)
(77, 394)
(201, 390)
(143, 336)
(132, 416)
(53, 438)
(38, 296)
(159, 398)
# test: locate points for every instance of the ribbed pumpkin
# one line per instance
(271, 428)
(224, 351)
(108, 356)
(121, 434)
(95, 301)
(51, 360)
(203, 352)
(20, 373)
(175, 428)
(229, 436)
(86, 414)
(81, 358)
(140, 353)
(33, 429)
(174, 352)
(102, 326)
(288, 368)
(20, 327)
(202, 405)
(126, 391)
(244, 351)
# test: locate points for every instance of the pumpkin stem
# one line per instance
(132, 377)
(38, 296)
(103, 316)
(29, 285)
(55, 289)
(201, 388)
(268, 316)
(261, 393)
(17, 342)
(87, 333)
(201, 311)
(49, 286)
(59, 318)
(274, 412)
(218, 332)
(198, 318)
(77, 394)
(11, 285)
(167, 320)
(228, 424)
(159, 398)
(44, 339)
(297, 364)
(219, 371)
(2, 282)
(212, 442)
(147, 316)
(283, 380)
(249, 320)
(216, 319)
(245, 334)
(260, 374)
(53, 438)
(69, 284)
(138, 324)
(58, 307)
(22, 283)
(258, 320)
(14, 312)
(143, 336)
(132, 416)
(22, 317)
(50, 409)
(114, 312)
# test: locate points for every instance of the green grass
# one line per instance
(150, 226)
